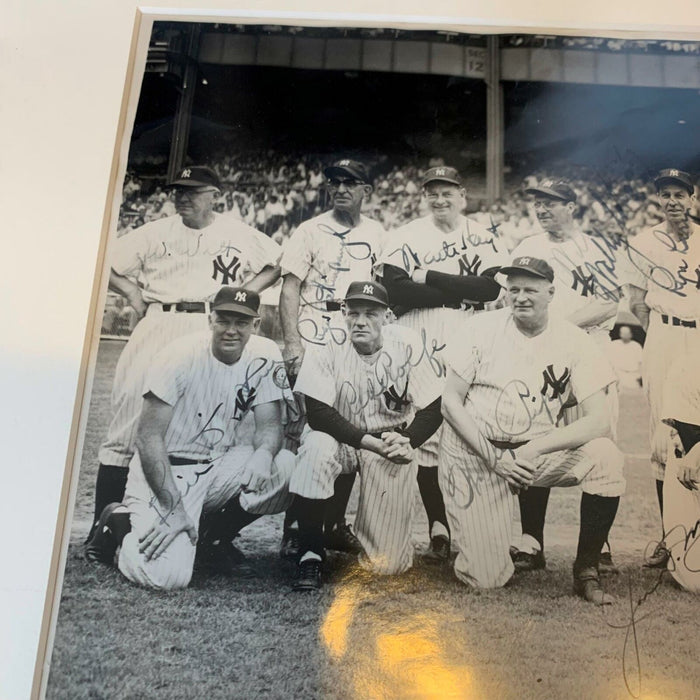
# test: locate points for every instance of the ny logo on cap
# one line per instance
(439, 171)
(368, 289)
(524, 261)
(241, 296)
(186, 173)
(673, 172)
(344, 162)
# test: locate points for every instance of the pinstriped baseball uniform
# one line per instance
(469, 249)
(173, 263)
(210, 399)
(518, 386)
(583, 272)
(326, 256)
(376, 393)
(669, 271)
(681, 505)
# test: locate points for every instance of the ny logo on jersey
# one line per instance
(241, 296)
(368, 289)
(394, 400)
(244, 398)
(556, 384)
(587, 282)
(186, 173)
(228, 271)
(467, 267)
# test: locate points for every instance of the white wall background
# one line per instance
(62, 67)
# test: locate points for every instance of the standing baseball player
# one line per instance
(508, 382)
(587, 295)
(318, 263)
(370, 401)
(664, 279)
(438, 269)
(168, 270)
(188, 461)
(681, 411)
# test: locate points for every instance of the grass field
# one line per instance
(420, 635)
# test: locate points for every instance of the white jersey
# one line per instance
(420, 245)
(210, 398)
(374, 395)
(668, 270)
(584, 269)
(518, 384)
(682, 392)
(327, 255)
(172, 262)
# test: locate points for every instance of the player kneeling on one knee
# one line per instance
(506, 388)
(370, 400)
(191, 486)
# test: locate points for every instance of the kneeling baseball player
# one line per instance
(188, 463)
(503, 404)
(370, 401)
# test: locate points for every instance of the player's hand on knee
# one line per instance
(164, 530)
(257, 470)
(292, 354)
(515, 474)
(689, 476)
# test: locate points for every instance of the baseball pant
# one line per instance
(480, 504)
(385, 507)
(663, 341)
(151, 335)
(681, 527)
(201, 490)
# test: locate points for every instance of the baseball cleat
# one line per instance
(606, 565)
(342, 539)
(439, 551)
(102, 546)
(658, 559)
(223, 559)
(289, 549)
(587, 586)
(308, 576)
(524, 561)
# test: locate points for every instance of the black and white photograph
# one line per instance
(394, 390)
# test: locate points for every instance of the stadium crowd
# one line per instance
(275, 193)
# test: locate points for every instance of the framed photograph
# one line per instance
(368, 294)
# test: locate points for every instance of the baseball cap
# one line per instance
(353, 168)
(530, 266)
(444, 174)
(367, 291)
(672, 175)
(557, 190)
(237, 300)
(196, 176)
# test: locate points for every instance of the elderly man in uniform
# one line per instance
(511, 372)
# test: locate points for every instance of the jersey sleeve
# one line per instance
(267, 375)
(263, 251)
(464, 358)
(129, 253)
(317, 376)
(397, 252)
(590, 369)
(167, 376)
(297, 254)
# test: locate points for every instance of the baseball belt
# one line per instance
(182, 461)
(505, 445)
(674, 321)
(187, 307)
